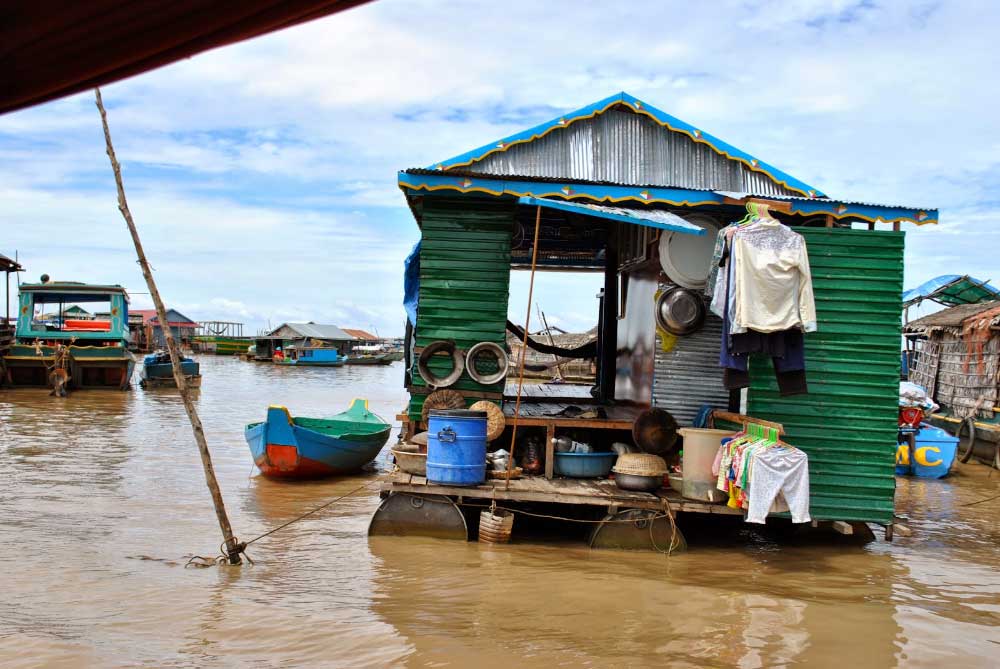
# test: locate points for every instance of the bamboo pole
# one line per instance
(233, 547)
(524, 347)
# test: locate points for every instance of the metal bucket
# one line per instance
(456, 447)
(495, 526)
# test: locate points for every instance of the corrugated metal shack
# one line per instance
(606, 183)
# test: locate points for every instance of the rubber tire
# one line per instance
(970, 424)
(503, 362)
(457, 359)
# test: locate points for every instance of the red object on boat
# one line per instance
(910, 416)
(86, 326)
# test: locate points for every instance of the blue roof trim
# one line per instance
(682, 197)
(664, 119)
(635, 217)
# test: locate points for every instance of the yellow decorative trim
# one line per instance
(694, 136)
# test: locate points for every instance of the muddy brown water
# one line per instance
(103, 500)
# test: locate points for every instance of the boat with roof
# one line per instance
(70, 335)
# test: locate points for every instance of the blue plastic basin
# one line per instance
(584, 465)
(456, 447)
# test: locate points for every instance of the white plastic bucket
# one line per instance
(700, 447)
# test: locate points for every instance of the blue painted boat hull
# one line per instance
(281, 449)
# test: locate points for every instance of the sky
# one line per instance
(262, 176)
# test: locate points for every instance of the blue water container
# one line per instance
(456, 447)
(933, 454)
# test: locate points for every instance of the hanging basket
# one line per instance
(495, 526)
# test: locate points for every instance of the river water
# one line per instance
(103, 501)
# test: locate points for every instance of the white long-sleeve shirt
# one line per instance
(773, 283)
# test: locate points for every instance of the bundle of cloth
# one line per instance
(761, 288)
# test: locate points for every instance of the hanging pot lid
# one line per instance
(687, 259)
(680, 311)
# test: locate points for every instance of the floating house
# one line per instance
(148, 332)
(955, 355)
(628, 191)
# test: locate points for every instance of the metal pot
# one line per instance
(680, 311)
(638, 483)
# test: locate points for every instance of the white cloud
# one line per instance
(263, 174)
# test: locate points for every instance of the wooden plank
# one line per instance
(829, 220)
(842, 527)
(743, 419)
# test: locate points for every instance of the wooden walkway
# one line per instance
(593, 492)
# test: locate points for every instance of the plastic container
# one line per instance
(584, 465)
(700, 447)
(933, 454)
(456, 447)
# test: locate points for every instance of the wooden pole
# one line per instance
(524, 347)
(233, 547)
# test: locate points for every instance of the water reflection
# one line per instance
(103, 498)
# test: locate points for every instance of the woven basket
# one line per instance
(495, 421)
(640, 464)
(442, 399)
(502, 475)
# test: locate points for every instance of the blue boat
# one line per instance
(158, 372)
(309, 356)
(284, 447)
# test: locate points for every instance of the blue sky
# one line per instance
(262, 175)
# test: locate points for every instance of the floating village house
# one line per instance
(611, 185)
(148, 332)
(309, 334)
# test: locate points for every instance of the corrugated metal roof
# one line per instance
(761, 192)
(847, 423)
(654, 218)
(315, 331)
(624, 148)
(360, 334)
(464, 281)
(951, 289)
(625, 139)
(951, 317)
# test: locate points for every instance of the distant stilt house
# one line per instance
(148, 332)
(314, 334)
(8, 267)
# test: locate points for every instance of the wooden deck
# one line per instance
(593, 492)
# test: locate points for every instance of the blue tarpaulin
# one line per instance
(411, 284)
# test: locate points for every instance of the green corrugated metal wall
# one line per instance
(464, 280)
(847, 422)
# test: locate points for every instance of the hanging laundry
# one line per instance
(773, 287)
(777, 470)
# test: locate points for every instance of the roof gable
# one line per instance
(623, 140)
(311, 331)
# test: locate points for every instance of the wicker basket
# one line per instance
(640, 464)
(496, 526)
(502, 475)
(495, 421)
(442, 399)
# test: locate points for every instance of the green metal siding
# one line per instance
(847, 421)
(464, 280)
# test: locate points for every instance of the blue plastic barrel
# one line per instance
(456, 447)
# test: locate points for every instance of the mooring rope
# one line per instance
(201, 561)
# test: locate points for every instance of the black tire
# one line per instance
(967, 426)
(457, 361)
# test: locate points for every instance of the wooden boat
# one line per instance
(158, 372)
(221, 345)
(369, 359)
(309, 356)
(284, 447)
(52, 350)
